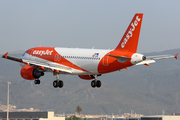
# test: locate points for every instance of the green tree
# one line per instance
(78, 109)
(73, 118)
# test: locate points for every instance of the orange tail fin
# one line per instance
(129, 41)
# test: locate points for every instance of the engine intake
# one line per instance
(37, 73)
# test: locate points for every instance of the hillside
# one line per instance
(142, 89)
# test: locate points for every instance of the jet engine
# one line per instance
(31, 73)
(136, 58)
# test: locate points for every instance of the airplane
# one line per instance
(88, 64)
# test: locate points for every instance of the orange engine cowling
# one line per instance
(31, 73)
(86, 77)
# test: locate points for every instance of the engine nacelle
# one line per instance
(31, 73)
(136, 58)
(86, 77)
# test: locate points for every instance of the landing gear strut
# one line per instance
(96, 83)
(57, 83)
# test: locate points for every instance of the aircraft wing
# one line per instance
(47, 65)
(11, 58)
(43, 65)
(151, 59)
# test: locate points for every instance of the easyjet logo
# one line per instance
(43, 52)
(130, 34)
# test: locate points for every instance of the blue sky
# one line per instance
(84, 24)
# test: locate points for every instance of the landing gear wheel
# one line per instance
(55, 84)
(98, 83)
(61, 83)
(37, 81)
(93, 84)
(58, 83)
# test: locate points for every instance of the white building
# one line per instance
(161, 117)
(30, 116)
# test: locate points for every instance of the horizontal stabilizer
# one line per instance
(146, 62)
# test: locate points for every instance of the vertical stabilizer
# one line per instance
(129, 41)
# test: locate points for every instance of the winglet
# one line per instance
(175, 56)
(5, 55)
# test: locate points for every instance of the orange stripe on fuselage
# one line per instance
(50, 54)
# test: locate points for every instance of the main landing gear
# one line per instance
(96, 83)
(57, 83)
